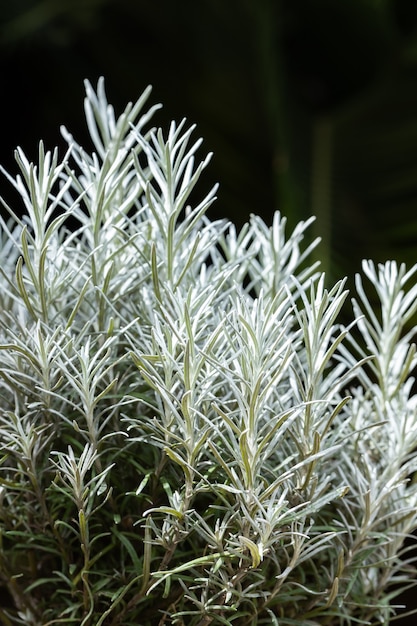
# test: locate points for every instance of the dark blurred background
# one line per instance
(310, 106)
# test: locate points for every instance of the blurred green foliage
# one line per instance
(308, 105)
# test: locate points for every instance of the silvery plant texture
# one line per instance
(189, 435)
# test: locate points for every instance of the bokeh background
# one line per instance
(310, 106)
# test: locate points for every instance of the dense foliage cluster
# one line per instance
(188, 434)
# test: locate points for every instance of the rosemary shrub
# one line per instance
(188, 433)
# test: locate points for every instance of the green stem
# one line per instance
(268, 21)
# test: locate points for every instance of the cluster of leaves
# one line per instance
(178, 443)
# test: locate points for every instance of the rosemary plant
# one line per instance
(188, 433)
